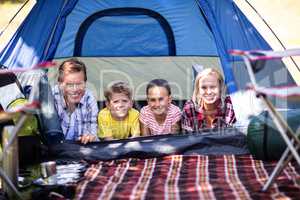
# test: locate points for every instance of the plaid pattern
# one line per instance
(85, 114)
(187, 177)
(193, 118)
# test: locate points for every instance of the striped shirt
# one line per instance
(83, 120)
(148, 119)
(193, 118)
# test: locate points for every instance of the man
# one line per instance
(76, 106)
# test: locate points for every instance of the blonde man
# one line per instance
(76, 106)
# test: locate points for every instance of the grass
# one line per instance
(7, 11)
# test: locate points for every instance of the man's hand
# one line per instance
(87, 138)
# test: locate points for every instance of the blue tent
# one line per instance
(117, 28)
(130, 31)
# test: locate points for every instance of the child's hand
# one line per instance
(109, 138)
(84, 139)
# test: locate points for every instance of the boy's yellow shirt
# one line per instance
(109, 127)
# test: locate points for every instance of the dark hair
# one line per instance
(158, 83)
(118, 87)
(74, 65)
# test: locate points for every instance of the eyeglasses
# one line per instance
(80, 85)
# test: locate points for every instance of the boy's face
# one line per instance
(119, 106)
(73, 86)
(158, 100)
(209, 89)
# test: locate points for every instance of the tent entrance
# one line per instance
(125, 32)
(138, 71)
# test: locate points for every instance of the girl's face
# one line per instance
(158, 100)
(209, 89)
(119, 105)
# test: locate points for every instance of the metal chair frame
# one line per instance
(289, 136)
(10, 144)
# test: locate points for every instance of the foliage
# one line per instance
(11, 1)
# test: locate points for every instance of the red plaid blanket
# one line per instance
(187, 177)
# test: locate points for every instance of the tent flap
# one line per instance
(231, 30)
(28, 44)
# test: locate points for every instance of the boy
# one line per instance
(118, 120)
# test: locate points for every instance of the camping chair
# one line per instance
(254, 61)
(9, 156)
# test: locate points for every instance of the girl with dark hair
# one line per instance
(160, 116)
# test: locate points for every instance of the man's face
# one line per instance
(73, 86)
(119, 106)
(158, 100)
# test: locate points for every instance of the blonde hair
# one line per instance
(71, 65)
(209, 71)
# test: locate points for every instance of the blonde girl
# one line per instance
(209, 107)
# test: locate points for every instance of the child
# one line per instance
(118, 120)
(159, 116)
(209, 107)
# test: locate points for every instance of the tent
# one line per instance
(136, 41)
(202, 29)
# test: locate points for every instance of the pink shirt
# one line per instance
(148, 119)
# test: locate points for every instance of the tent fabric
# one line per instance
(187, 177)
(219, 142)
(60, 26)
(200, 28)
(231, 30)
(27, 46)
(110, 24)
(192, 36)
